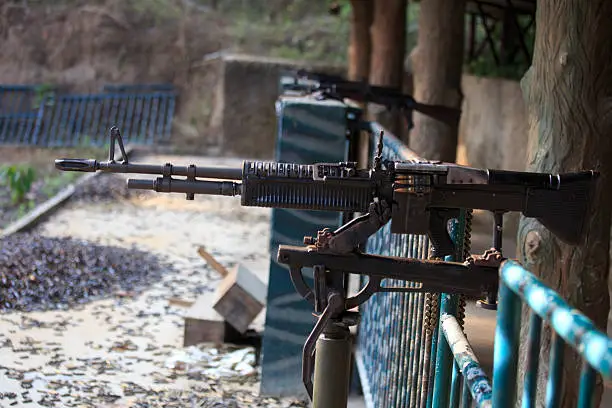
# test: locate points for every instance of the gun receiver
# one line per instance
(339, 88)
(419, 197)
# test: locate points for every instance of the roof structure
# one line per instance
(495, 6)
(510, 14)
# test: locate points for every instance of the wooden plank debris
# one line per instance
(240, 297)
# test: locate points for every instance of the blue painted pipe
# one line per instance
(586, 390)
(474, 377)
(448, 305)
(555, 373)
(574, 327)
(531, 368)
(466, 397)
(506, 348)
(455, 386)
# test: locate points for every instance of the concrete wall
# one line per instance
(244, 117)
(493, 129)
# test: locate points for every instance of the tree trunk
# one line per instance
(568, 91)
(437, 63)
(360, 48)
(359, 42)
(388, 33)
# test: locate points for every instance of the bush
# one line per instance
(18, 179)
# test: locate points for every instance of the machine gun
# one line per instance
(418, 197)
(327, 86)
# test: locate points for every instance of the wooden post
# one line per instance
(568, 90)
(437, 63)
(360, 47)
(388, 33)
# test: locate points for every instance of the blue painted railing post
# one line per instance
(40, 115)
(455, 387)
(587, 386)
(449, 304)
(555, 372)
(531, 370)
(444, 357)
(505, 354)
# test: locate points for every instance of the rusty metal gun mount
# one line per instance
(476, 276)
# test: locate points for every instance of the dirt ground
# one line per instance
(127, 351)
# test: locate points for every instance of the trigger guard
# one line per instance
(300, 285)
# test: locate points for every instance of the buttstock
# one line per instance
(565, 211)
(450, 116)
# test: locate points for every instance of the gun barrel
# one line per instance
(90, 165)
(170, 185)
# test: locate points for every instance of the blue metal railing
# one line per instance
(144, 114)
(569, 325)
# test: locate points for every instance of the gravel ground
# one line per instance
(125, 348)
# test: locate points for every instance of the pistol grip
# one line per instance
(438, 232)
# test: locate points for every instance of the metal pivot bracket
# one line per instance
(349, 237)
(333, 314)
(374, 285)
(494, 257)
(472, 278)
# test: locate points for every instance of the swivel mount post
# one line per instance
(490, 300)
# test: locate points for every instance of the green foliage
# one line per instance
(159, 10)
(43, 93)
(485, 66)
(18, 179)
(24, 207)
